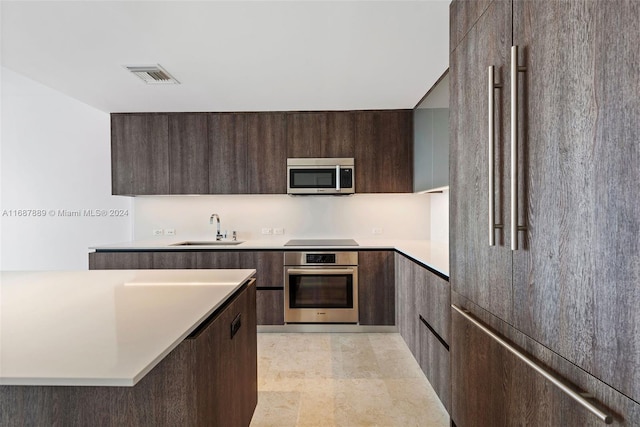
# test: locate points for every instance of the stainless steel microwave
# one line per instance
(320, 176)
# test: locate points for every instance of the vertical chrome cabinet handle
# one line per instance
(492, 127)
(514, 146)
(338, 177)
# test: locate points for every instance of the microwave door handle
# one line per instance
(320, 271)
(337, 177)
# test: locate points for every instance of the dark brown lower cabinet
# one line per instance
(174, 260)
(269, 277)
(270, 306)
(268, 266)
(210, 379)
(120, 260)
(433, 357)
(231, 387)
(493, 387)
(423, 322)
(376, 288)
(407, 311)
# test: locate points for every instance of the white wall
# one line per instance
(403, 216)
(55, 156)
(439, 229)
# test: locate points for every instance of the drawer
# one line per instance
(433, 357)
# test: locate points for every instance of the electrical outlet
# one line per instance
(169, 231)
(376, 230)
(266, 230)
(158, 231)
(278, 231)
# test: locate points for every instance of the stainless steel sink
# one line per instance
(209, 243)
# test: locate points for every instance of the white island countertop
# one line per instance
(102, 328)
(432, 254)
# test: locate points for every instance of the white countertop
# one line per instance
(104, 328)
(432, 254)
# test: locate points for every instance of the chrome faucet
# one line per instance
(218, 234)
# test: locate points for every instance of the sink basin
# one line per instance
(209, 243)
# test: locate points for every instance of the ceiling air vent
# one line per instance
(153, 75)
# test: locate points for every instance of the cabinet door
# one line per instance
(120, 260)
(270, 283)
(423, 149)
(463, 15)
(174, 260)
(493, 387)
(431, 147)
(269, 267)
(577, 272)
(320, 134)
(267, 153)
(139, 154)
(480, 272)
(440, 162)
(406, 311)
(433, 357)
(227, 153)
(376, 288)
(384, 160)
(219, 259)
(188, 154)
(227, 383)
(433, 301)
(423, 305)
(270, 306)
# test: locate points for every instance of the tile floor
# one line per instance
(342, 379)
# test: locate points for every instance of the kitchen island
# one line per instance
(128, 347)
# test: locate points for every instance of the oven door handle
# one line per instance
(320, 271)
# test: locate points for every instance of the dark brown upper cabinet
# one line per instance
(320, 134)
(384, 155)
(267, 153)
(188, 154)
(246, 153)
(139, 154)
(228, 153)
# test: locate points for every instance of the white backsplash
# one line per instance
(400, 216)
(440, 216)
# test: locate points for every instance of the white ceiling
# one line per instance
(231, 55)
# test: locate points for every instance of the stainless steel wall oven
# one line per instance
(321, 287)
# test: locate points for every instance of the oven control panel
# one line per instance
(321, 258)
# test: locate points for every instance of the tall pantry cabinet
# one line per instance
(545, 211)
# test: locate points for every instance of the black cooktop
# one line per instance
(321, 242)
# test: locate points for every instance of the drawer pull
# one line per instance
(566, 388)
(515, 69)
(236, 325)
